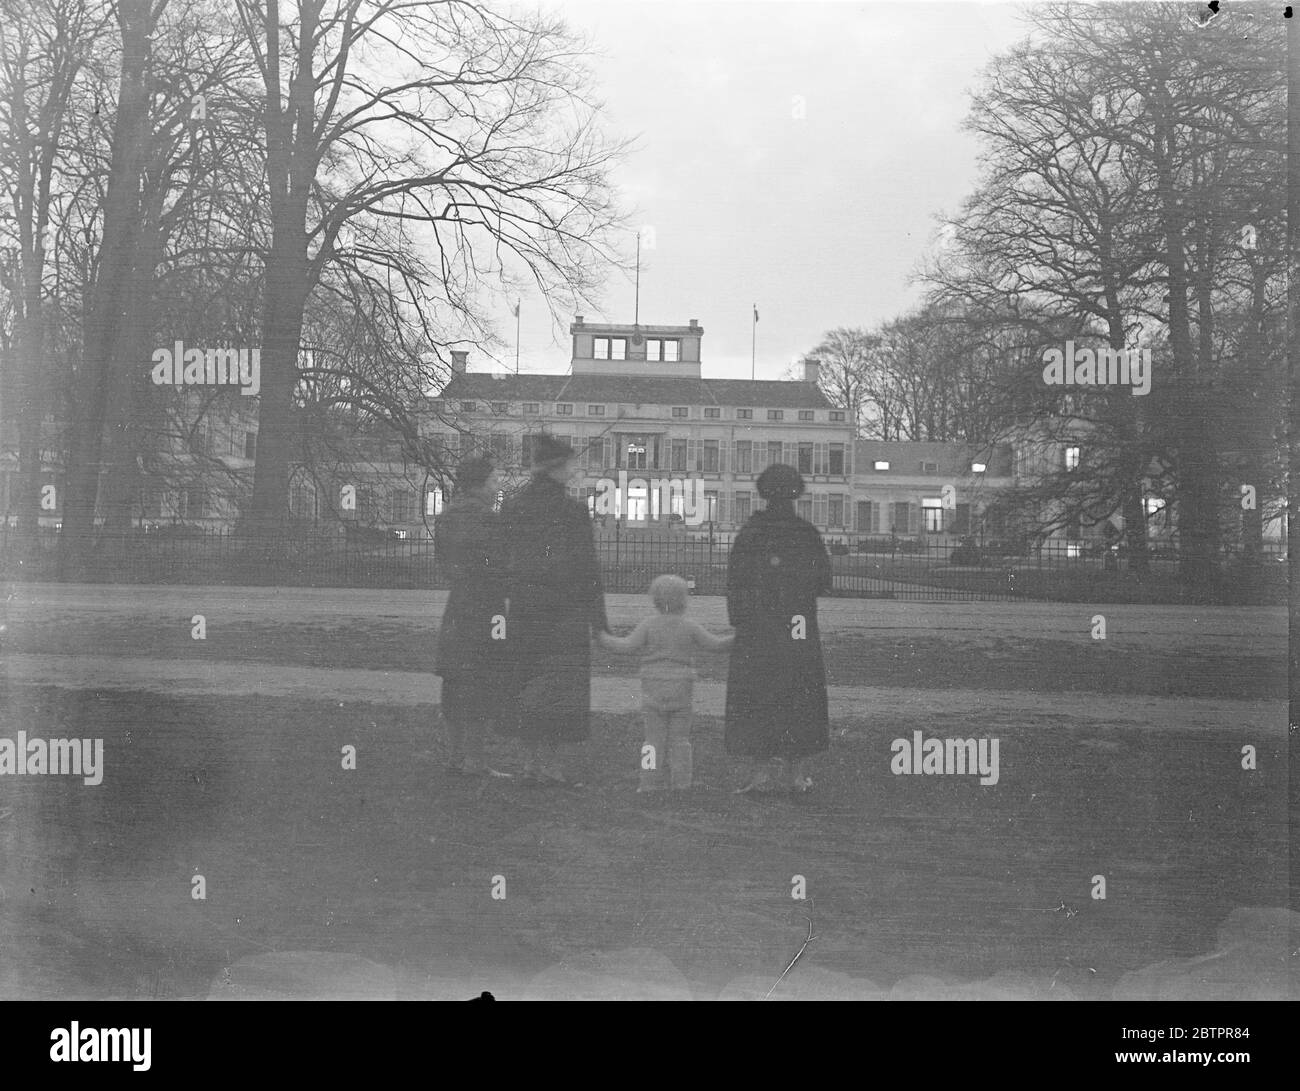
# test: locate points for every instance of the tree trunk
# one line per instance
(282, 317)
(1197, 510)
(106, 360)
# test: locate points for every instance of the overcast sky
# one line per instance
(819, 219)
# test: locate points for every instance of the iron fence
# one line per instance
(888, 567)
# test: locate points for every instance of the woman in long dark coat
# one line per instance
(776, 686)
(467, 543)
(556, 601)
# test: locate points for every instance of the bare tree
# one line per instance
(477, 145)
(44, 45)
(1102, 215)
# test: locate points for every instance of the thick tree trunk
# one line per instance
(126, 399)
(282, 317)
(106, 356)
(1197, 514)
(30, 413)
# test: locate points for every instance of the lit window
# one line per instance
(977, 467)
(881, 465)
(1072, 458)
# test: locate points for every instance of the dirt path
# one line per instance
(874, 705)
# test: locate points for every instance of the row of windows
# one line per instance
(925, 467)
(711, 412)
(651, 452)
(656, 348)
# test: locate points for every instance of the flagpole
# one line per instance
(518, 304)
(753, 343)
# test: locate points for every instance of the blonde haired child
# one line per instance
(667, 641)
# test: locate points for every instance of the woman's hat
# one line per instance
(549, 451)
(780, 482)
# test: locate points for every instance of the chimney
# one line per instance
(577, 319)
(811, 371)
(695, 323)
(459, 361)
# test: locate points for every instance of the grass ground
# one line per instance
(395, 861)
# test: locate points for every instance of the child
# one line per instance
(667, 679)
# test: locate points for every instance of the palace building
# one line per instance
(635, 402)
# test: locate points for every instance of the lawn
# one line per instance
(395, 861)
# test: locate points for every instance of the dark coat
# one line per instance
(467, 544)
(776, 685)
(556, 600)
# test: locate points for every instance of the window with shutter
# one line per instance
(913, 518)
(898, 520)
(692, 456)
(819, 509)
(724, 456)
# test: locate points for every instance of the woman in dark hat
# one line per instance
(467, 543)
(776, 686)
(556, 602)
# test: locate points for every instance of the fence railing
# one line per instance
(878, 567)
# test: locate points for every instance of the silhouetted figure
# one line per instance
(776, 687)
(556, 601)
(470, 659)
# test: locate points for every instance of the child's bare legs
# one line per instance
(681, 759)
(654, 751)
